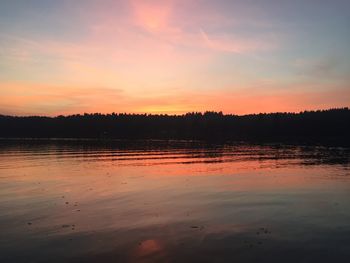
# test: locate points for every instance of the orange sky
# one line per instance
(172, 56)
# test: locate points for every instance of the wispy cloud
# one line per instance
(45, 99)
(48, 99)
(234, 44)
(326, 66)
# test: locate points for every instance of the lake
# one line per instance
(177, 201)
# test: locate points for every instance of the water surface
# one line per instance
(173, 202)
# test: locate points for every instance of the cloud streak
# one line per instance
(44, 99)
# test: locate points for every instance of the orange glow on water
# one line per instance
(143, 204)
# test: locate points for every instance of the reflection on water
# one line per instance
(173, 202)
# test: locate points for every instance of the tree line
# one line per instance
(312, 125)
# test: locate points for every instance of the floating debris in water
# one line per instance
(264, 230)
(198, 227)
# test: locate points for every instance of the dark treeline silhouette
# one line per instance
(333, 124)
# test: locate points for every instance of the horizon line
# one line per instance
(176, 115)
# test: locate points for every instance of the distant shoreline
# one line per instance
(177, 115)
(326, 126)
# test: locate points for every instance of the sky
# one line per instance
(173, 56)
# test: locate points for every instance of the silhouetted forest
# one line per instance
(333, 124)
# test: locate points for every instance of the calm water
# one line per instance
(173, 202)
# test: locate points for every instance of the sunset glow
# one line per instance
(176, 56)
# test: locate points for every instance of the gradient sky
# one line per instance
(236, 56)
